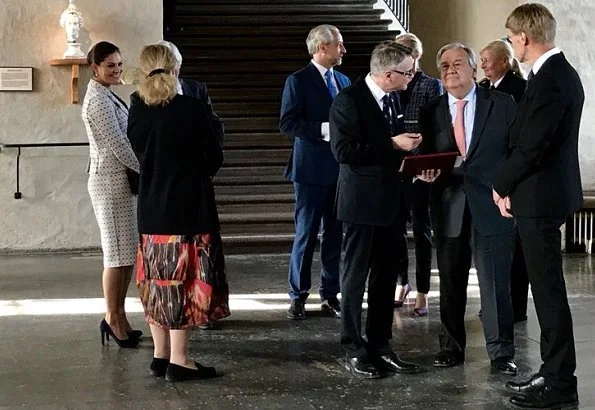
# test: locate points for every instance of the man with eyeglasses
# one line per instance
(368, 139)
(473, 121)
(540, 184)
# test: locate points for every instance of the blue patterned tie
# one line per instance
(328, 76)
(386, 110)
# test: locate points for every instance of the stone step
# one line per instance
(254, 38)
(275, 10)
(256, 140)
(255, 208)
(226, 191)
(380, 26)
(242, 3)
(246, 176)
(204, 21)
(253, 157)
(281, 55)
(252, 198)
(261, 220)
(198, 46)
(251, 124)
(242, 109)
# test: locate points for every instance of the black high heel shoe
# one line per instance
(106, 332)
(135, 334)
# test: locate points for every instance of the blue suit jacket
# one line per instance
(305, 106)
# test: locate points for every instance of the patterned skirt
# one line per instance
(181, 279)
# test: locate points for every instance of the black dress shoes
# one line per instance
(505, 365)
(331, 307)
(362, 367)
(175, 373)
(159, 367)
(392, 363)
(448, 358)
(297, 310)
(547, 398)
(535, 383)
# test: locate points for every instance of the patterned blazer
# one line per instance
(421, 90)
(106, 120)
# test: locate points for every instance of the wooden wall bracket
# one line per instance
(74, 64)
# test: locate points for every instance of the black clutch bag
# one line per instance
(133, 180)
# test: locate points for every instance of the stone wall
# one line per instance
(476, 22)
(56, 212)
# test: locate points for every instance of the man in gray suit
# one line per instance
(473, 121)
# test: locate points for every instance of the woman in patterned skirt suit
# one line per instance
(180, 266)
(106, 118)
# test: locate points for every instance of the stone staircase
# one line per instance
(243, 50)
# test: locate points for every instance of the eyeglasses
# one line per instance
(405, 73)
(507, 39)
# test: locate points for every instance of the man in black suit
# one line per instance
(540, 185)
(368, 140)
(197, 90)
(503, 74)
(473, 121)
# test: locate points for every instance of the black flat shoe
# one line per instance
(505, 365)
(362, 367)
(297, 310)
(547, 398)
(392, 363)
(448, 358)
(175, 373)
(159, 367)
(331, 307)
(535, 383)
(106, 332)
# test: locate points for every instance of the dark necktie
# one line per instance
(328, 76)
(386, 110)
(492, 87)
(530, 76)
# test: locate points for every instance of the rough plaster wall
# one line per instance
(56, 212)
(476, 22)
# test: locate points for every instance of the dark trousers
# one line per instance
(519, 281)
(314, 212)
(541, 242)
(418, 198)
(379, 251)
(493, 256)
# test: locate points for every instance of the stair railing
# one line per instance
(400, 8)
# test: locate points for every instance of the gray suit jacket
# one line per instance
(472, 182)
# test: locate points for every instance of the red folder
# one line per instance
(414, 164)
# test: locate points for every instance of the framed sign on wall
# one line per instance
(16, 78)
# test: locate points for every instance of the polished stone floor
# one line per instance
(51, 356)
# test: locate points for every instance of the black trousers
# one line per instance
(493, 258)
(541, 242)
(381, 252)
(418, 199)
(519, 281)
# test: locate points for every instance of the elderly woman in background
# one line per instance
(419, 92)
(180, 266)
(502, 70)
(106, 116)
(503, 74)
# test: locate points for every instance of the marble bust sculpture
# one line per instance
(72, 22)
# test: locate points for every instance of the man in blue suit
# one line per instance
(305, 107)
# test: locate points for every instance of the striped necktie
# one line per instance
(330, 84)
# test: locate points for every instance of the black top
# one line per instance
(542, 173)
(178, 154)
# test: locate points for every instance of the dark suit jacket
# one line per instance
(178, 154)
(541, 174)
(199, 91)
(472, 181)
(420, 91)
(305, 106)
(368, 189)
(511, 84)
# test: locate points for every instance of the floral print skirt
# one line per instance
(181, 279)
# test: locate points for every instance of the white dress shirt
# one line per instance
(324, 128)
(469, 113)
(543, 58)
(497, 83)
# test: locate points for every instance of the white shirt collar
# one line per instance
(377, 92)
(543, 58)
(179, 87)
(469, 97)
(321, 69)
(497, 83)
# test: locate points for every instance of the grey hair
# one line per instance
(172, 47)
(472, 57)
(323, 34)
(387, 55)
